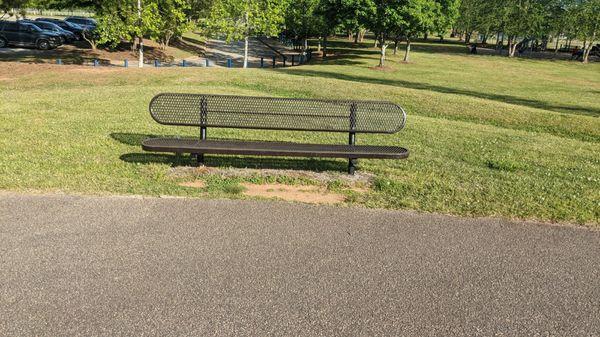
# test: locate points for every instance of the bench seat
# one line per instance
(233, 147)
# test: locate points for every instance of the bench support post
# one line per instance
(352, 138)
(203, 115)
(200, 156)
(352, 161)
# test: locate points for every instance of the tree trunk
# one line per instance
(376, 40)
(325, 47)
(407, 53)
(497, 40)
(140, 38)
(426, 36)
(556, 46)
(586, 55)
(90, 41)
(512, 47)
(468, 37)
(246, 51)
(246, 40)
(168, 37)
(141, 52)
(356, 36)
(395, 46)
(350, 35)
(305, 44)
(383, 47)
(588, 49)
(361, 37)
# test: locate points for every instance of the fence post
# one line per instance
(126, 63)
(262, 62)
(229, 63)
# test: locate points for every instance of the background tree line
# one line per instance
(513, 23)
(532, 22)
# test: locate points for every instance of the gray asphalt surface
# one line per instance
(133, 266)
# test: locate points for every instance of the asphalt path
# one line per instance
(72, 265)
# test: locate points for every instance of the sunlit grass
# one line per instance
(488, 135)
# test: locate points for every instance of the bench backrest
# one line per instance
(272, 113)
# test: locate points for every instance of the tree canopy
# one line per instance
(516, 22)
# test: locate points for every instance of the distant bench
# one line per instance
(269, 113)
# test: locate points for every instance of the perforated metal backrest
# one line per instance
(277, 113)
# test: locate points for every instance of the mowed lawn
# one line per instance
(488, 135)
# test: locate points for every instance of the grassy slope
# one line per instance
(488, 135)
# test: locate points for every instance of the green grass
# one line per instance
(489, 136)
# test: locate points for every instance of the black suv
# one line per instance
(66, 36)
(26, 34)
(72, 27)
(87, 23)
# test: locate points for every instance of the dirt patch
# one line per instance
(386, 69)
(307, 194)
(358, 180)
(195, 184)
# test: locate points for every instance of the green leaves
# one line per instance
(238, 19)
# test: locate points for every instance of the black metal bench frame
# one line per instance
(271, 113)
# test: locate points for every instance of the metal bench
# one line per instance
(270, 113)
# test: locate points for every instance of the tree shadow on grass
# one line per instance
(174, 160)
(133, 139)
(594, 112)
(224, 161)
(186, 45)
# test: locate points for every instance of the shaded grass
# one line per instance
(479, 146)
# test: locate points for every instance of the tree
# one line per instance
(240, 19)
(302, 20)
(447, 13)
(521, 19)
(587, 21)
(171, 20)
(328, 11)
(416, 17)
(385, 23)
(354, 14)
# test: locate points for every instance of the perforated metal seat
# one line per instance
(272, 148)
(272, 113)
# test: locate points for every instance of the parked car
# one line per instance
(71, 27)
(87, 23)
(65, 35)
(27, 35)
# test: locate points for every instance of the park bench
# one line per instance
(269, 113)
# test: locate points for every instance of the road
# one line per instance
(72, 265)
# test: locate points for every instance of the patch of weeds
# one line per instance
(218, 185)
(504, 165)
(233, 188)
(337, 185)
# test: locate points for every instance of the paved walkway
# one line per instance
(133, 266)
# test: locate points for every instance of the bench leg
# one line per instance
(198, 159)
(352, 165)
